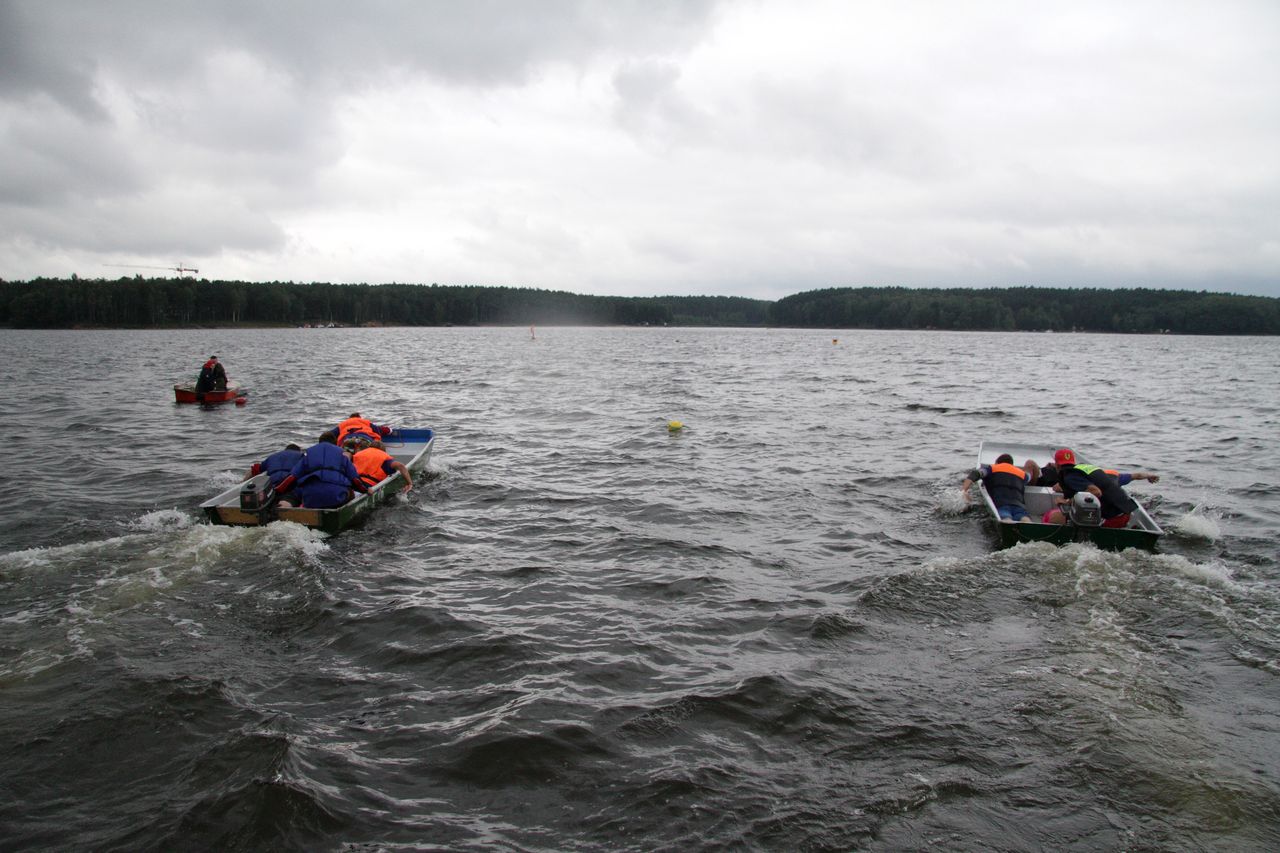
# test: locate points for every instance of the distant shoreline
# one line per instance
(186, 303)
(552, 325)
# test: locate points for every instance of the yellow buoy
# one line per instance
(674, 426)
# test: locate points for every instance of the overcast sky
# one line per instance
(636, 147)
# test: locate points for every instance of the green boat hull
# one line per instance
(1105, 538)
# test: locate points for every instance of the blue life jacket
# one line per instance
(324, 476)
(279, 464)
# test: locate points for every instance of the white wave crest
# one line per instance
(1213, 573)
(163, 519)
(950, 501)
(285, 538)
(171, 540)
(60, 555)
(224, 480)
(1199, 523)
(437, 469)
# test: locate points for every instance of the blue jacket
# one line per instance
(324, 476)
(279, 464)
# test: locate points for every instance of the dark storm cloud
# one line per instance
(50, 156)
(58, 48)
(108, 103)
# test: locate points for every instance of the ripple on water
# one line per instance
(774, 630)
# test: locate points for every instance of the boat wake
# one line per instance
(162, 520)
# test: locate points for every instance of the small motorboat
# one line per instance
(252, 503)
(1083, 522)
(188, 394)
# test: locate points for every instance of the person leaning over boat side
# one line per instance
(1048, 476)
(355, 425)
(277, 465)
(1117, 506)
(1006, 483)
(324, 475)
(213, 376)
(375, 464)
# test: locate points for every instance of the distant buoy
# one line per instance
(240, 401)
(674, 426)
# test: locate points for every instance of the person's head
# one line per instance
(355, 415)
(328, 438)
(213, 358)
(1004, 459)
(292, 446)
(1064, 456)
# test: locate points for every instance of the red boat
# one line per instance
(189, 394)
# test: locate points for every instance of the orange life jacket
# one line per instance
(1006, 468)
(1007, 484)
(368, 464)
(353, 425)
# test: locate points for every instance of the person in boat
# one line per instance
(1048, 475)
(213, 376)
(358, 426)
(277, 465)
(375, 464)
(1007, 485)
(1105, 485)
(324, 476)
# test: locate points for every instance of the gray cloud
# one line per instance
(108, 103)
(749, 147)
(328, 43)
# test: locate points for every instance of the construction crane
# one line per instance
(179, 269)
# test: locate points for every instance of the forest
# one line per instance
(138, 302)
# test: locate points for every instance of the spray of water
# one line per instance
(1199, 523)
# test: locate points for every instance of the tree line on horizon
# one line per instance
(138, 302)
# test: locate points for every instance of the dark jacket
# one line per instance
(1115, 501)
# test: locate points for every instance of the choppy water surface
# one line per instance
(777, 629)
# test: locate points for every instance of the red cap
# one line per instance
(1064, 457)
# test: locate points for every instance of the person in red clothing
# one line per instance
(213, 376)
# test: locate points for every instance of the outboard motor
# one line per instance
(256, 497)
(1086, 510)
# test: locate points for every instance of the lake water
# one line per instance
(777, 629)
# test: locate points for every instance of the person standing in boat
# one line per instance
(1106, 486)
(358, 426)
(213, 377)
(374, 465)
(1006, 483)
(324, 476)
